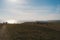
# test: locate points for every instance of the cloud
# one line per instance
(31, 15)
(23, 11)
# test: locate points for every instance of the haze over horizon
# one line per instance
(30, 10)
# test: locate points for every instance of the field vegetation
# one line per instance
(31, 31)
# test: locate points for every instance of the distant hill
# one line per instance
(54, 20)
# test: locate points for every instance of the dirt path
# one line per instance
(4, 33)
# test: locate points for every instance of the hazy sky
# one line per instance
(30, 9)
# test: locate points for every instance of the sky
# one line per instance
(29, 10)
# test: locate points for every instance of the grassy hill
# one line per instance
(31, 31)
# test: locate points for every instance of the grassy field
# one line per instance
(30, 31)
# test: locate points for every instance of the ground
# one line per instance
(30, 31)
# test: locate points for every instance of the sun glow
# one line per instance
(11, 21)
